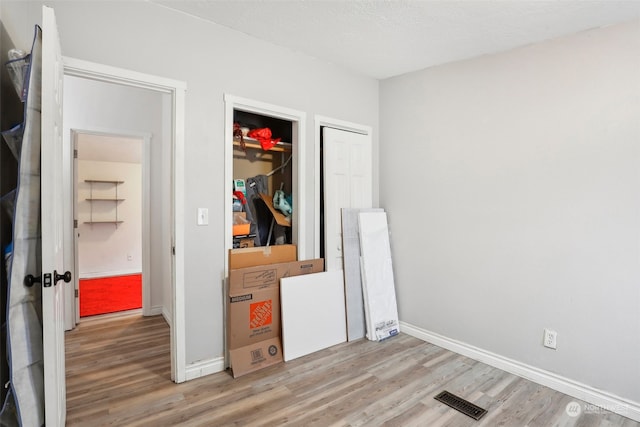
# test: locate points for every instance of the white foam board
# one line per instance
(381, 311)
(313, 313)
(356, 328)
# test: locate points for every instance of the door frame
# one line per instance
(177, 90)
(145, 139)
(319, 123)
(299, 194)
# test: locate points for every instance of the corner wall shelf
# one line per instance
(114, 200)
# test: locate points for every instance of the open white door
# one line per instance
(347, 184)
(52, 226)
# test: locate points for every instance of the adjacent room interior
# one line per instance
(109, 213)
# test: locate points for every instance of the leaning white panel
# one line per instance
(356, 328)
(377, 273)
(313, 316)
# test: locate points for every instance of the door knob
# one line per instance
(31, 279)
(66, 276)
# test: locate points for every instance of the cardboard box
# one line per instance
(261, 255)
(256, 356)
(264, 276)
(253, 308)
(246, 242)
(252, 317)
(281, 219)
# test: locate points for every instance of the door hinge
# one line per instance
(173, 250)
(75, 223)
(76, 293)
(75, 154)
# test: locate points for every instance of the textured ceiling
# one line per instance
(384, 38)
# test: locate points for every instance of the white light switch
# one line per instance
(203, 216)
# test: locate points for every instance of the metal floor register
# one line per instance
(461, 405)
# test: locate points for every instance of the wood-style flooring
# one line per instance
(118, 373)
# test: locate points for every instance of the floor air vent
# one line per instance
(461, 405)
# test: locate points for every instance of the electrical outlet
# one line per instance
(129, 257)
(550, 339)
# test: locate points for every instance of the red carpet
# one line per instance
(110, 294)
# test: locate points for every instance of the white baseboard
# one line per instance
(98, 274)
(204, 367)
(599, 398)
(167, 316)
(155, 310)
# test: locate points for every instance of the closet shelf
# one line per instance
(103, 222)
(104, 181)
(255, 144)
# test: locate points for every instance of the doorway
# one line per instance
(112, 238)
(165, 99)
(295, 128)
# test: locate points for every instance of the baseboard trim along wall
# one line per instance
(98, 274)
(204, 367)
(166, 315)
(556, 382)
(157, 310)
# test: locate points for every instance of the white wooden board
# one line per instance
(356, 328)
(381, 312)
(313, 315)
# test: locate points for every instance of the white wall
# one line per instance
(212, 60)
(104, 249)
(512, 183)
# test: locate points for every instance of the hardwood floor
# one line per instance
(118, 373)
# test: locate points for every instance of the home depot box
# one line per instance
(261, 255)
(253, 312)
(253, 316)
(256, 356)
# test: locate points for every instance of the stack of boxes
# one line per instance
(253, 303)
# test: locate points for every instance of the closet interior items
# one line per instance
(262, 177)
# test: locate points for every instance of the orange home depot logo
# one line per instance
(260, 314)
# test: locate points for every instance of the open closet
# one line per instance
(262, 179)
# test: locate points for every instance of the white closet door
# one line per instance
(347, 184)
